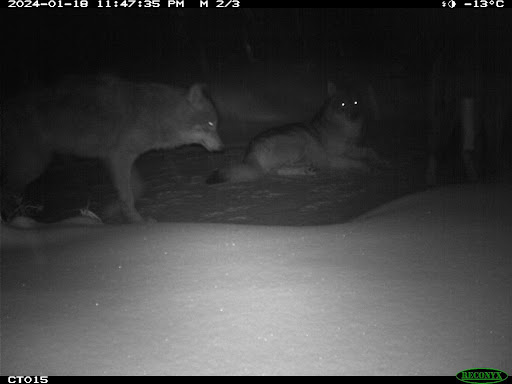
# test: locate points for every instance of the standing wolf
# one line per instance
(102, 117)
(330, 140)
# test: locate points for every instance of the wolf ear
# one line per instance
(331, 88)
(196, 93)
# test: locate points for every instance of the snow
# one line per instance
(418, 286)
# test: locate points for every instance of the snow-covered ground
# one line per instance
(422, 285)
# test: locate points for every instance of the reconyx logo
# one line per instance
(481, 375)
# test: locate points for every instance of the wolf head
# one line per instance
(343, 115)
(346, 103)
(201, 120)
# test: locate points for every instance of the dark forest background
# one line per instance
(189, 43)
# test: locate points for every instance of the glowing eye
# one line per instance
(342, 104)
(210, 123)
(355, 102)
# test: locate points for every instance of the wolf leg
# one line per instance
(24, 165)
(322, 159)
(366, 153)
(120, 166)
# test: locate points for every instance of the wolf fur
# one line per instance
(102, 117)
(331, 140)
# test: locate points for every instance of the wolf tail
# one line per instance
(235, 174)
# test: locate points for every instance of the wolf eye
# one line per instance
(355, 102)
(342, 104)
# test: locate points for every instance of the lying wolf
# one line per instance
(330, 140)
